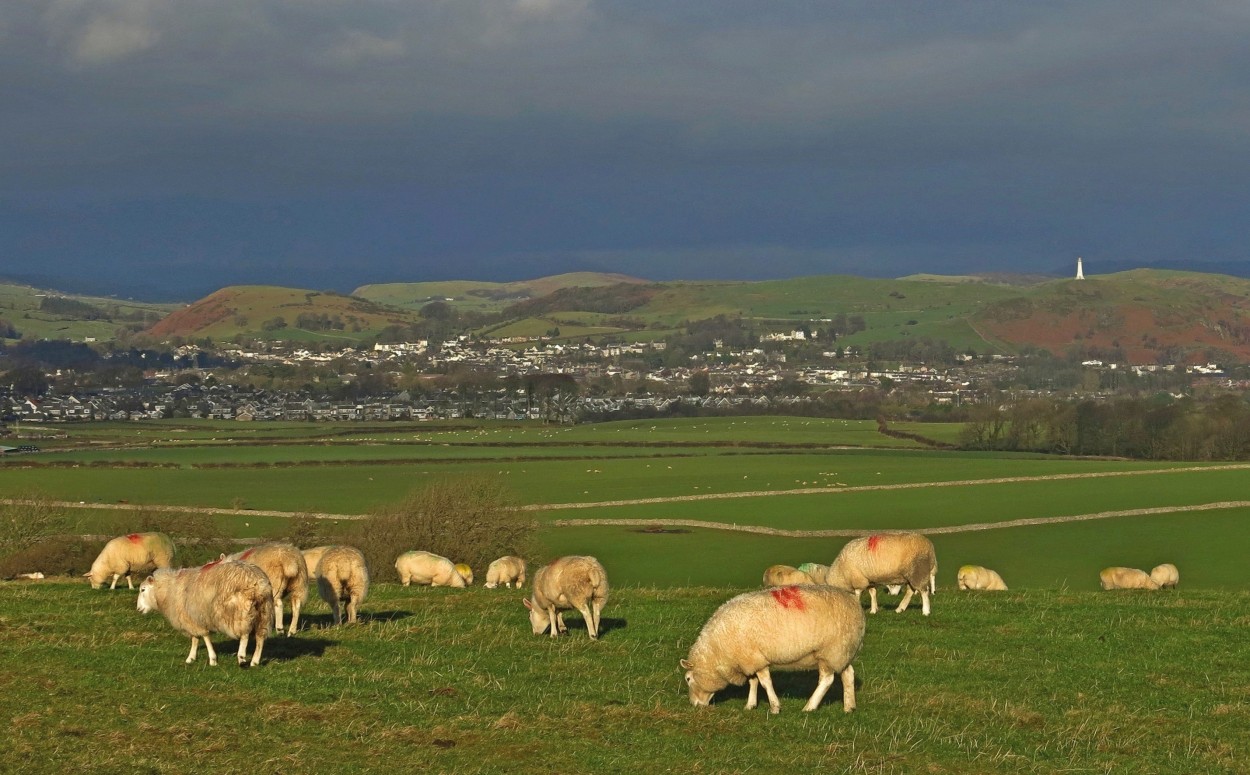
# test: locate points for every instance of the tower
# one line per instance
(1080, 273)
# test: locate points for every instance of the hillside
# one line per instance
(484, 296)
(34, 313)
(279, 313)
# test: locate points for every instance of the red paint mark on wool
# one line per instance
(872, 543)
(208, 565)
(246, 554)
(134, 538)
(788, 597)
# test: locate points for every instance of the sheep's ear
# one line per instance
(686, 664)
(221, 557)
(149, 580)
(527, 602)
(87, 575)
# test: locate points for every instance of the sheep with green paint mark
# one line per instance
(784, 576)
(129, 555)
(886, 558)
(783, 628)
(978, 577)
(815, 571)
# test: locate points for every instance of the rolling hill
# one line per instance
(35, 313)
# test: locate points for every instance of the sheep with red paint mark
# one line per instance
(783, 628)
(129, 555)
(507, 570)
(342, 578)
(233, 598)
(568, 582)
(287, 572)
(429, 569)
(886, 558)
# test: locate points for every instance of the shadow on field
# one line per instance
(797, 685)
(326, 621)
(279, 648)
(578, 624)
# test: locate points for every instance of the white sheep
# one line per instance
(569, 582)
(977, 577)
(1126, 578)
(784, 575)
(233, 598)
(131, 554)
(312, 557)
(787, 628)
(815, 571)
(506, 570)
(465, 572)
(429, 569)
(1166, 575)
(343, 576)
(886, 558)
(284, 565)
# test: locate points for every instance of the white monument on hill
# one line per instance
(1080, 273)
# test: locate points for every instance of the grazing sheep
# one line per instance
(287, 572)
(886, 558)
(130, 554)
(976, 577)
(507, 571)
(233, 598)
(569, 582)
(429, 569)
(815, 571)
(1126, 578)
(465, 572)
(1166, 575)
(343, 576)
(312, 557)
(788, 628)
(784, 576)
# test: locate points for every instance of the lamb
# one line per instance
(465, 572)
(784, 575)
(506, 570)
(1126, 578)
(886, 558)
(312, 557)
(343, 576)
(788, 628)
(233, 598)
(429, 569)
(568, 582)
(288, 575)
(815, 571)
(977, 577)
(130, 554)
(1166, 576)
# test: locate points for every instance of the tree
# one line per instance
(700, 383)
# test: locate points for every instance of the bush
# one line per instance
(28, 520)
(59, 556)
(470, 519)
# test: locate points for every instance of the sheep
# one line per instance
(343, 575)
(465, 572)
(815, 571)
(506, 570)
(312, 557)
(784, 575)
(288, 575)
(130, 554)
(1166, 575)
(1126, 578)
(886, 558)
(233, 598)
(788, 628)
(977, 577)
(568, 582)
(428, 568)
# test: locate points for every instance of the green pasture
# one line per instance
(439, 680)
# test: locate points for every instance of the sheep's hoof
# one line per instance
(774, 710)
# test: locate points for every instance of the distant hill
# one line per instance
(484, 296)
(29, 312)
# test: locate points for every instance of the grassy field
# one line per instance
(453, 681)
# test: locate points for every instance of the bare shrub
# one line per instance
(198, 537)
(469, 519)
(304, 531)
(28, 519)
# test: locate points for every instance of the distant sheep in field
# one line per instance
(815, 571)
(287, 572)
(977, 577)
(1126, 578)
(784, 575)
(506, 570)
(1166, 576)
(788, 628)
(131, 554)
(465, 572)
(886, 558)
(343, 577)
(429, 569)
(233, 598)
(569, 582)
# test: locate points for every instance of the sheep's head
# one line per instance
(96, 581)
(147, 596)
(539, 619)
(701, 684)
(465, 573)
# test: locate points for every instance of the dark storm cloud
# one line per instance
(263, 140)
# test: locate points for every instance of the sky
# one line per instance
(167, 148)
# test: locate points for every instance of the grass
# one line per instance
(453, 681)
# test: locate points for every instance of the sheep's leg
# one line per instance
(597, 607)
(195, 649)
(129, 583)
(116, 576)
(242, 656)
(872, 598)
(334, 609)
(277, 612)
(766, 678)
(907, 599)
(848, 689)
(212, 655)
(560, 621)
(753, 693)
(933, 582)
(555, 621)
(294, 618)
(260, 646)
(827, 677)
(589, 616)
(351, 609)
(924, 601)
